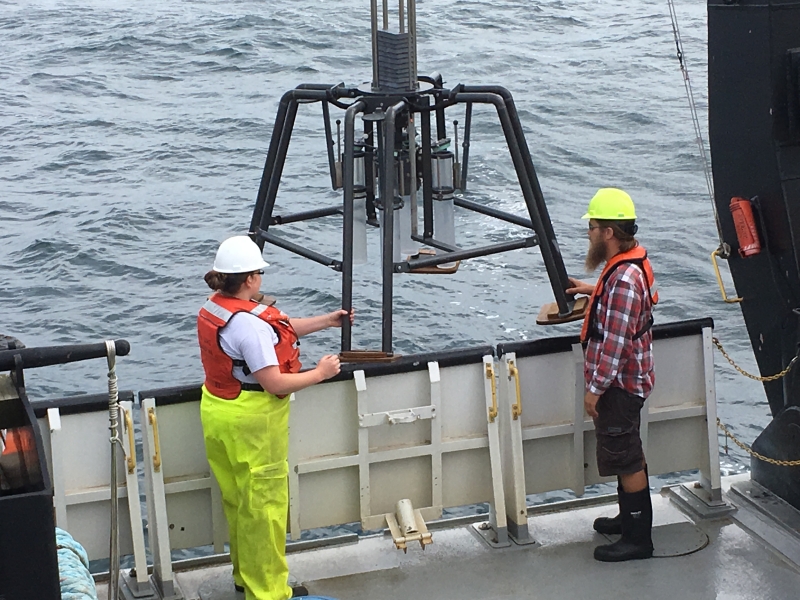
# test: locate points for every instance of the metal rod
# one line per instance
(266, 175)
(455, 139)
(552, 258)
(427, 176)
(326, 119)
(493, 212)
(412, 30)
(338, 139)
(559, 269)
(300, 250)
(441, 122)
(385, 15)
(435, 243)
(58, 355)
(387, 198)
(402, 16)
(373, 10)
(305, 215)
(348, 170)
(279, 142)
(113, 417)
(465, 146)
(405, 267)
(280, 161)
(412, 159)
(369, 170)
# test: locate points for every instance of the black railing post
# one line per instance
(348, 169)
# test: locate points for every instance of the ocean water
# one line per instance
(133, 136)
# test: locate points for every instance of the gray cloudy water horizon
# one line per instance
(132, 140)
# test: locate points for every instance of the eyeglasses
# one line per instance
(593, 227)
(259, 272)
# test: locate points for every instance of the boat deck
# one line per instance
(460, 564)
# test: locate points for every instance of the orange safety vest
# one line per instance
(218, 366)
(636, 255)
(17, 441)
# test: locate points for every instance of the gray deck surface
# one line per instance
(458, 566)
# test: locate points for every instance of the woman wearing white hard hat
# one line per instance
(251, 362)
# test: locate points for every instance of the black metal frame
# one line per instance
(391, 112)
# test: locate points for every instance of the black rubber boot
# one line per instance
(636, 511)
(610, 525)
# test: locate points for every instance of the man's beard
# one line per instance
(595, 255)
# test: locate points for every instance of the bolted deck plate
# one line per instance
(675, 539)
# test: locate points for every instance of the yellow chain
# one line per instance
(750, 375)
(750, 451)
(742, 445)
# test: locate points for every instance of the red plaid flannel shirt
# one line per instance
(623, 309)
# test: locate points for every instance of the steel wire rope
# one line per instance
(681, 55)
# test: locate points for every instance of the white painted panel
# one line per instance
(183, 452)
(323, 421)
(463, 411)
(90, 525)
(87, 451)
(329, 497)
(667, 456)
(547, 383)
(467, 477)
(189, 518)
(395, 480)
(548, 464)
(680, 378)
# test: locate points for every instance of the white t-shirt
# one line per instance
(251, 339)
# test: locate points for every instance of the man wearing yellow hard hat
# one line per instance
(618, 365)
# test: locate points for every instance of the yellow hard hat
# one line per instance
(611, 204)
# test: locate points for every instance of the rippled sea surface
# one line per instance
(132, 139)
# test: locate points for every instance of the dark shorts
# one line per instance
(619, 446)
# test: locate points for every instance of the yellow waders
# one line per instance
(247, 445)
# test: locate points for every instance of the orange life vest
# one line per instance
(218, 366)
(636, 255)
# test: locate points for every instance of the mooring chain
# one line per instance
(760, 378)
(751, 452)
(728, 434)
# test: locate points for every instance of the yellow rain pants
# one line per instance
(247, 445)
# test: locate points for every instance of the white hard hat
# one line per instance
(238, 254)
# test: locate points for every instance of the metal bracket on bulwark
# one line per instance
(395, 417)
(407, 525)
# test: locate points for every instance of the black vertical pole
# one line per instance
(280, 160)
(266, 176)
(465, 146)
(369, 170)
(348, 168)
(427, 182)
(387, 199)
(326, 117)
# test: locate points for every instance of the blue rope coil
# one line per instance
(73, 568)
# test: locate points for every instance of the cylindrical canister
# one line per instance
(745, 224)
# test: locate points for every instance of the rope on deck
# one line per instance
(73, 568)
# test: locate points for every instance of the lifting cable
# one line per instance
(696, 121)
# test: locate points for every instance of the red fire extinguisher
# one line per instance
(746, 232)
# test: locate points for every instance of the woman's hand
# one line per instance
(579, 287)
(334, 319)
(328, 366)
